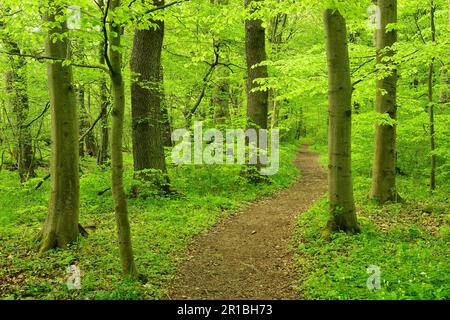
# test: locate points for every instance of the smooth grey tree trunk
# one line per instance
(384, 173)
(433, 157)
(120, 201)
(61, 225)
(340, 185)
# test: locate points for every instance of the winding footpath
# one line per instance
(246, 256)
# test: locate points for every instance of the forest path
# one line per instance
(246, 255)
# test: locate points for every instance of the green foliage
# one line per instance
(409, 242)
(162, 228)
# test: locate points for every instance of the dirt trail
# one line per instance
(246, 256)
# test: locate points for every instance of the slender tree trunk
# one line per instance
(220, 94)
(103, 152)
(340, 186)
(431, 105)
(275, 110)
(383, 176)
(276, 27)
(235, 95)
(148, 148)
(84, 123)
(445, 77)
(165, 121)
(220, 100)
(90, 140)
(120, 202)
(18, 99)
(255, 45)
(61, 225)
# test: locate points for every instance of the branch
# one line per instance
(362, 65)
(47, 106)
(416, 21)
(205, 83)
(105, 36)
(157, 8)
(39, 58)
(42, 181)
(2, 161)
(166, 5)
(228, 65)
(365, 76)
(102, 113)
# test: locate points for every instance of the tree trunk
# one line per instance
(255, 45)
(220, 100)
(90, 141)
(276, 29)
(431, 105)
(103, 152)
(445, 77)
(120, 202)
(275, 110)
(257, 101)
(148, 148)
(84, 123)
(61, 225)
(383, 176)
(340, 186)
(16, 88)
(165, 121)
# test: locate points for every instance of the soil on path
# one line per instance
(246, 256)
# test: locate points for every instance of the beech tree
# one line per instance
(257, 100)
(255, 51)
(114, 61)
(384, 165)
(431, 103)
(146, 102)
(220, 95)
(61, 225)
(17, 96)
(340, 185)
(103, 150)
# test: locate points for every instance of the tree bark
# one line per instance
(120, 202)
(90, 141)
(431, 104)
(16, 87)
(103, 152)
(257, 101)
(255, 45)
(276, 28)
(165, 121)
(148, 148)
(61, 225)
(340, 185)
(383, 175)
(220, 101)
(84, 123)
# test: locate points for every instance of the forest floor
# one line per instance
(224, 237)
(248, 255)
